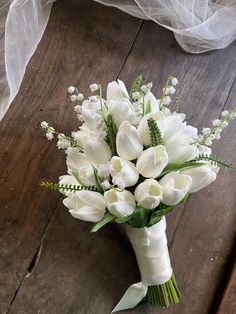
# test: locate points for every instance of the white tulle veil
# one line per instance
(198, 26)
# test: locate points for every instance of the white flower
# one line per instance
(204, 150)
(148, 194)
(174, 81)
(152, 161)
(44, 125)
(103, 170)
(91, 118)
(96, 150)
(73, 97)
(225, 113)
(179, 146)
(67, 180)
(146, 88)
(136, 95)
(106, 185)
(172, 90)
(121, 110)
(92, 104)
(166, 100)
(116, 91)
(86, 205)
(62, 142)
(118, 182)
(71, 89)
(80, 97)
(206, 131)
(216, 122)
(150, 99)
(201, 176)
(208, 142)
(175, 187)
(172, 122)
(49, 136)
(124, 170)
(94, 87)
(78, 109)
(128, 144)
(120, 204)
(78, 162)
(143, 129)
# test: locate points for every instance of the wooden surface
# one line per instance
(49, 262)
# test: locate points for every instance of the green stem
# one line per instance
(164, 294)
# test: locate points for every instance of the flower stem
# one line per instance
(164, 294)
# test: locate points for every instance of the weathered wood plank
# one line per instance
(82, 273)
(228, 304)
(83, 43)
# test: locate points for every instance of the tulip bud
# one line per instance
(148, 194)
(152, 161)
(124, 170)
(128, 144)
(201, 176)
(121, 110)
(78, 162)
(175, 187)
(149, 98)
(96, 150)
(86, 205)
(120, 204)
(116, 91)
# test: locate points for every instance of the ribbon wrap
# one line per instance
(152, 254)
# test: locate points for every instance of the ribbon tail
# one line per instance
(132, 297)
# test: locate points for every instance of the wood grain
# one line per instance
(78, 272)
(83, 43)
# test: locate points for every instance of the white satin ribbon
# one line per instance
(151, 250)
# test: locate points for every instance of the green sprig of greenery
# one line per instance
(135, 86)
(155, 133)
(66, 187)
(214, 160)
(111, 129)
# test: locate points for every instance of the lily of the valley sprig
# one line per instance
(133, 159)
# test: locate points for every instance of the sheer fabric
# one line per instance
(198, 26)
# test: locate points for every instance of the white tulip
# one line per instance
(149, 98)
(175, 187)
(152, 161)
(143, 129)
(148, 194)
(120, 204)
(201, 176)
(96, 150)
(86, 205)
(179, 146)
(128, 144)
(172, 122)
(78, 162)
(124, 170)
(116, 91)
(67, 180)
(121, 110)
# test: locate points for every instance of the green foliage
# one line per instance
(178, 103)
(157, 215)
(66, 187)
(214, 160)
(176, 167)
(111, 129)
(108, 217)
(155, 133)
(136, 86)
(97, 180)
(140, 217)
(148, 108)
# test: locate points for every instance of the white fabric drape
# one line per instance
(198, 26)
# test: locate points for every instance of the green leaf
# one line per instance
(148, 108)
(108, 217)
(156, 216)
(214, 160)
(121, 220)
(111, 129)
(136, 86)
(176, 167)
(76, 175)
(184, 200)
(140, 217)
(97, 180)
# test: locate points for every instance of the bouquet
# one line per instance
(131, 162)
